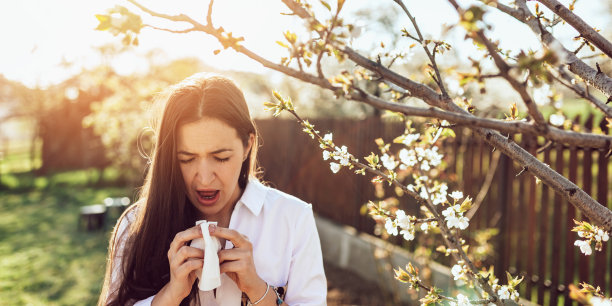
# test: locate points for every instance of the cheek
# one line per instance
(188, 173)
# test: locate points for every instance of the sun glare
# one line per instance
(49, 41)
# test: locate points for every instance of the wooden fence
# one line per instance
(534, 222)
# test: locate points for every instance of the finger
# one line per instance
(181, 238)
(239, 240)
(188, 267)
(233, 254)
(185, 253)
(232, 266)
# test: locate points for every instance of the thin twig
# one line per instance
(484, 190)
(432, 57)
(580, 25)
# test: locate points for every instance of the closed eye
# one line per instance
(186, 161)
(222, 160)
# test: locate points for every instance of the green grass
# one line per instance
(44, 258)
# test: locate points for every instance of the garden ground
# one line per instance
(45, 259)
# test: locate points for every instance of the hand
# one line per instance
(238, 262)
(184, 261)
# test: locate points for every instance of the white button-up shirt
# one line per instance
(286, 248)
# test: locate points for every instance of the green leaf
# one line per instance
(282, 44)
(326, 5)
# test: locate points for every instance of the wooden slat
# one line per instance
(531, 223)
(520, 222)
(587, 179)
(602, 195)
(570, 260)
(505, 195)
(544, 258)
(556, 232)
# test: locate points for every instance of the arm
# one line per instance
(306, 284)
(183, 261)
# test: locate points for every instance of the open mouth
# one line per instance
(208, 197)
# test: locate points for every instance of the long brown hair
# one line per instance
(163, 208)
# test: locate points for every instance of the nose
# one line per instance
(205, 175)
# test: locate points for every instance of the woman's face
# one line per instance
(210, 154)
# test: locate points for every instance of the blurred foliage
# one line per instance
(46, 260)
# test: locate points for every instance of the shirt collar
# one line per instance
(253, 196)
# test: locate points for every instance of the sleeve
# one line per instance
(306, 284)
(119, 246)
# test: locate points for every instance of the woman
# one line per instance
(203, 169)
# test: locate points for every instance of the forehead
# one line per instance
(207, 135)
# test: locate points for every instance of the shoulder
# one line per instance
(124, 223)
(281, 201)
(128, 217)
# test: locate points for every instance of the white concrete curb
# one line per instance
(374, 259)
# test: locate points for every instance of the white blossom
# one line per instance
(425, 227)
(597, 301)
(326, 155)
(408, 234)
(425, 166)
(327, 137)
(335, 167)
(388, 162)
(457, 272)
(454, 218)
(439, 198)
(453, 86)
(457, 195)
(463, 300)
(504, 292)
(391, 227)
(602, 235)
(342, 155)
(407, 157)
(556, 119)
(585, 247)
(541, 95)
(410, 138)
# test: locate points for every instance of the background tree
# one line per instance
(445, 95)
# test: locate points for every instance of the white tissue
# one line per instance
(210, 276)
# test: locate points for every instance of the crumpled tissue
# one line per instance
(210, 276)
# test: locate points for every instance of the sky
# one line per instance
(47, 41)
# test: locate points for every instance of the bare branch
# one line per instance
(170, 30)
(504, 70)
(561, 76)
(596, 212)
(432, 57)
(181, 17)
(572, 193)
(484, 190)
(580, 25)
(508, 127)
(449, 239)
(596, 79)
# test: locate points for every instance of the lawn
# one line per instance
(44, 258)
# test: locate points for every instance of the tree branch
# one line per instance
(586, 140)
(447, 235)
(484, 190)
(580, 25)
(560, 75)
(572, 193)
(432, 57)
(170, 30)
(596, 212)
(504, 70)
(593, 77)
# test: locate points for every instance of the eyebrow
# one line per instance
(213, 152)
